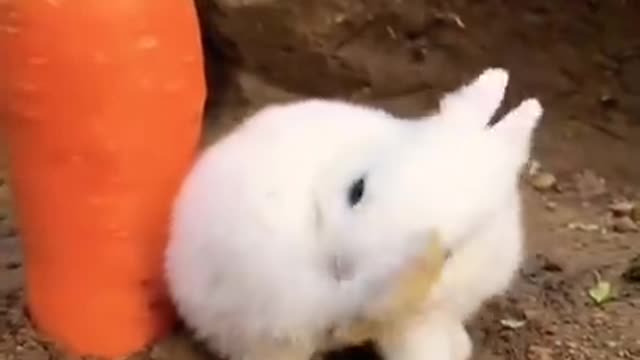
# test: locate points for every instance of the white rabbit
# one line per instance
(297, 219)
(490, 252)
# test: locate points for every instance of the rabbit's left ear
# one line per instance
(474, 104)
(516, 128)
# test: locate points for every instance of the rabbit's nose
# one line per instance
(447, 254)
(341, 268)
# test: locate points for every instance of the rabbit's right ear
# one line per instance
(474, 104)
(516, 128)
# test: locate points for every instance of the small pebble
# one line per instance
(536, 352)
(607, 100)
(557, 343)
(622, 208)
(624, 225)
(34, 354)
(543, 181)
(635, 214)
(590, 185)
(534, 167)
(513, 323)
(632, 273)
(583, 227)
(551, 330)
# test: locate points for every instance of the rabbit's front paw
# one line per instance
(435, 338)
(461, 344)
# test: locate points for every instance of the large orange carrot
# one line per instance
(101, 102)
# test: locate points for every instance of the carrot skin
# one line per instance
(101, 104)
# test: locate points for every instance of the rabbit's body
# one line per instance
(276, 278)
(303, 216)
(480, 269)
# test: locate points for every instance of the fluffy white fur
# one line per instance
(266, 254)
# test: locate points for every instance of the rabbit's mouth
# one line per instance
(341, 268)
(401, 302)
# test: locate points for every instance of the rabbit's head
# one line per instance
(450, 171)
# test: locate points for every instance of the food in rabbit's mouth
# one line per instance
(404, 300)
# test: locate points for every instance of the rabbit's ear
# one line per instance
(474, 104)
(516, 127)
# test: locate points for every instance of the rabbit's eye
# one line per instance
(356, 191)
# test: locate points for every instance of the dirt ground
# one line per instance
(579, 194)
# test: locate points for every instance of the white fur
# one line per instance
(483, 266)
(436, 335)
(265, 255)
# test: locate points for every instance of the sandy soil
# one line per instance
(588, 154)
